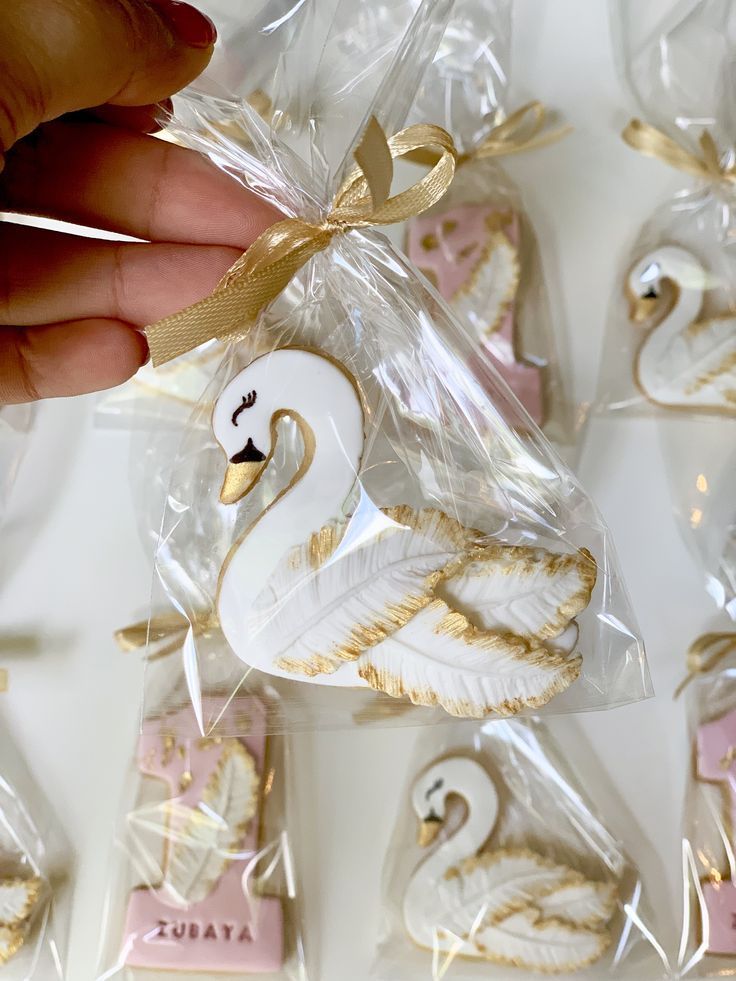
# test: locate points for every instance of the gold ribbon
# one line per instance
(701, 659)
(3, 680)
(521, 131)
(654, 143)
(168, 629)
(262, 272)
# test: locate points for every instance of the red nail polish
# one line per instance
(189, 24)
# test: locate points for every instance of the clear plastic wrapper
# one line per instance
(500, 868)
(670, 345)
(708, 944)
(15, 423)
(700, 457)
(369, 524)
(477, 246)
(204, 883)
(31, 945)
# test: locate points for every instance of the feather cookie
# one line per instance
(470, 252)
(205, 914)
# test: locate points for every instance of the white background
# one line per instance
(76, 569)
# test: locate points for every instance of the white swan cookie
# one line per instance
(509, 906)
(325, 587)
(684, 361)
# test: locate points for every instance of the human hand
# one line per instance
(71, 307)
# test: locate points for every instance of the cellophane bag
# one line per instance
(708, 944)
(32, 936)
(15, 424)
(477, 245)
(500, 867)
(203, 881)
(670, 345)
(371, 527)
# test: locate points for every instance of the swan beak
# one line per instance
(428, 831)
(641, 308)
(240, 478)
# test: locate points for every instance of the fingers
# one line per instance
(151, 189)
(141, 119)
(66, 55)
(67, 359)
(51, 277)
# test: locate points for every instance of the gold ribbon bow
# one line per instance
(705, 654)
(654, 143)
(168, 629)
(521, 131)
(262, 272)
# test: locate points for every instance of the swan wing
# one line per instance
(531, 592)
(11, 940)
(698, 367)
(490, 886)
(342, 592)
(581, 902)
(17, 899)
(526, 939)
(440, 658)
(204, 843)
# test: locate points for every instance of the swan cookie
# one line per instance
(716, 763)
(470, 252)
(18, 899)
(326, 588)
(509, 906)
(202, 915)
(683, 362)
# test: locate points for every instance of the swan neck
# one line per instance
(469, 837)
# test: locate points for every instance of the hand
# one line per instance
(71, 307)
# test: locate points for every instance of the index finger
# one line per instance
(64, 55)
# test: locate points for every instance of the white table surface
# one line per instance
(77, 569)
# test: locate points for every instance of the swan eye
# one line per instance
(651, 294)
(248, 401)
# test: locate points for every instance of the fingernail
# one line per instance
(189, 24)
(143, 341)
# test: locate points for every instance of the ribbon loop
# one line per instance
(652, 142)
(705, 654)
(520, 131)
(262, 272)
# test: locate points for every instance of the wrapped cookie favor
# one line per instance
(708, 944)
(477, 246)
(348, 504)
(499, 868)
(205, 883)
(670, 344)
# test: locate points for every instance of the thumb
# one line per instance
(57, 56)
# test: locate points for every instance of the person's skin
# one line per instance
(72, 308)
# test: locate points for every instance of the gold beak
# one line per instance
(641, 308)
(428, 831)
(240, 478)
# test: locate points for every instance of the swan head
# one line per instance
(428, 800)
(654, 282)
(242, 425)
